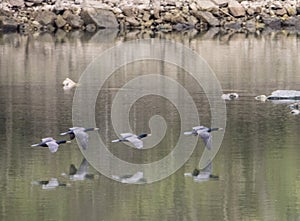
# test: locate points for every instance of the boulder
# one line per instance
(75, 21)
(193, 6)
(102, 18)
(206, 5)
(192, 20)
(132, 21)
(60, 21)
(45, 17)
(128, 11)
(280, 12)
(291, 10)
(208, 18)
(16, 3)
(236, 9)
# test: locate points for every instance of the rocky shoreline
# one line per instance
(27, 16)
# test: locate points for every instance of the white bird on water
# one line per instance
(230, 96)
(69, 84)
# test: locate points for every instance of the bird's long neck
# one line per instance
(213, 129)
(89, 129)
(142, 136)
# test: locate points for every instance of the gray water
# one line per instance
(257, 165)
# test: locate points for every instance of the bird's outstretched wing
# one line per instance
(53, 146)
(136, 142)
(126, 135)
(206, 137)
(198, 128)
(47, 139)
(82, 138)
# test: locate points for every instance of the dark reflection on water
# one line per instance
(258, 164)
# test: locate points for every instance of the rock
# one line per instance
(298, 10)
(291, 21)
(164, 27)
(146, 16)
(8, 24)
(182, 27)
(36, 26)
(192, 20)
(208, 18)
(221, 3)
(236, 9)
(102, 18)
(206, 5)
(128, 11)
(250, 25)
(60, 21)
(132, 21)
(50, 28)
(75, 21)
(29, 4)
(250, 11)
(33, 2)
(156, 9)
(16, 3)
(45, 17)
(291, 11)
(193, 6)
(280, 12)
(167, 17)
(234, 25)
(272, 22)
(78, 2)
(177, 18)
(91, 28)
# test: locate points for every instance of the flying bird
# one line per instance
(132, 138)
(204, 133)
(51, 143)
(80, 133)
(230, 96)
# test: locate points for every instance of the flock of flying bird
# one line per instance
(204, 132)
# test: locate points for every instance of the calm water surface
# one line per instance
(258, 163)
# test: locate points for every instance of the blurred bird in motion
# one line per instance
(204, 133)
(50, 143)
(80, 134)
(132, 138)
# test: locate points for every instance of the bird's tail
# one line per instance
(115, 141)
(188, 133)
